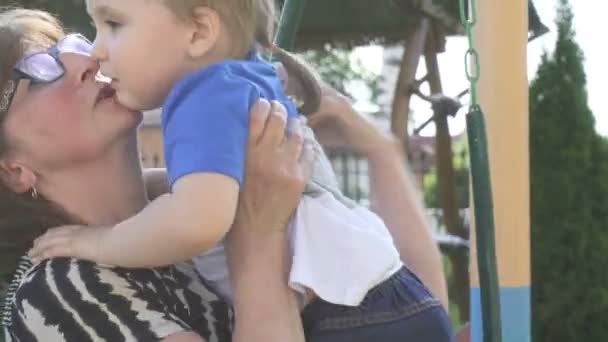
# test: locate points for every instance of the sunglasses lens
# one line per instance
(75, 43)
(41, 67)
(44, 67)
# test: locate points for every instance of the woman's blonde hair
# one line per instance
(252, 22)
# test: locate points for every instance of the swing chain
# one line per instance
(471, 57)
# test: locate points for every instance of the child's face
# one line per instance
(142, 46)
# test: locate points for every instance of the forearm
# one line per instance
(398, 202)
(266, 308)
(165, 232)
(277, 169)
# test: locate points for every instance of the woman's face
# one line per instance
(72, 120)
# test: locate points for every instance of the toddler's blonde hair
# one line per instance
(252, 22)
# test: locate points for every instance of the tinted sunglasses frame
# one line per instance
(23, 70)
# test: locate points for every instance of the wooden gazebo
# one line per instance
(422, 27)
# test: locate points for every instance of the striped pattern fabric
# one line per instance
(24, 265)
(77, 301)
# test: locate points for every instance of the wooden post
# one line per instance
(501, 38)
(446, 180)
(407, 75)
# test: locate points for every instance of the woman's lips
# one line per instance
(105, 92)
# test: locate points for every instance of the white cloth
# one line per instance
(338, 252)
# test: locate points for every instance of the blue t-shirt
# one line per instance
(205, 118)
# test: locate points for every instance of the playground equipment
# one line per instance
(503, 92)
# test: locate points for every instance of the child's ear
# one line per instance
(207, 28)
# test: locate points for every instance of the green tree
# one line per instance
(334, 65)
(461, 169)
(569, 300)
(72, 13)
(456, 261)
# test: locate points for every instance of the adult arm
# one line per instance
(277, 168)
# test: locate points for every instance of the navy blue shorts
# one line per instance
(400, 309)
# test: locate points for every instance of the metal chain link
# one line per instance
(471, 57)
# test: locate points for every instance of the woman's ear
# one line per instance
(17, 176)
(207, 28)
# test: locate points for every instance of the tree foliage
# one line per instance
(569, 183)
(71, 12)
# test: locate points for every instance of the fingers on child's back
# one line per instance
(307, 161)
(275, 125)
(295, 139)
(257, 122)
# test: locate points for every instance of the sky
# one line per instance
(587, 17)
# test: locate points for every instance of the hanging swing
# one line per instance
(482, 188)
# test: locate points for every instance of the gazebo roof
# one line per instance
(357, 22)
(349, 22)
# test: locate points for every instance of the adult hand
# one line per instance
(278, 165)
(337, 123)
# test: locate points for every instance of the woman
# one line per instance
(59, 137)
(69, 154)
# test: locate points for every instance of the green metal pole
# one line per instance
(291, 16)
(484, 223)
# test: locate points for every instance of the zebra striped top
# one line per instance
(68, 300)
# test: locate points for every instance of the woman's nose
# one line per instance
(79, 68)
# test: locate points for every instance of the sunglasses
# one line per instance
(43, 67)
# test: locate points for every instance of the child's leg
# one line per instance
(399, 310)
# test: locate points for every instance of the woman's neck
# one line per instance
(104, 192)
